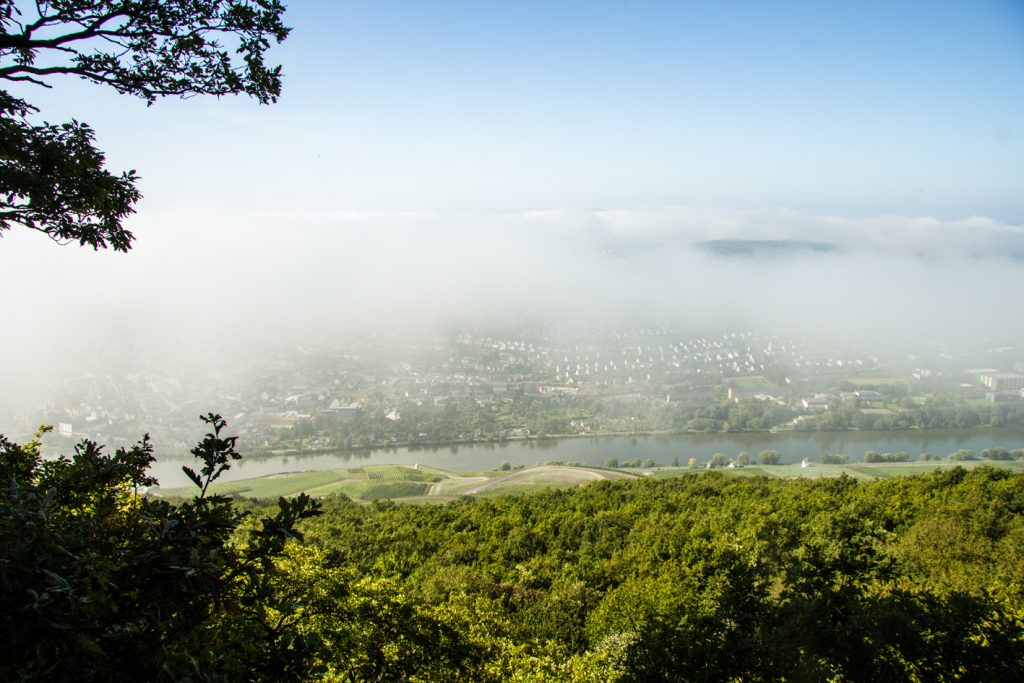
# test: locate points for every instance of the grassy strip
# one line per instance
(394, 481)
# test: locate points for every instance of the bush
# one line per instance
(961, 455)
(996, 454)
(89, 567)
(873, 456)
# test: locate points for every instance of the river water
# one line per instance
(794, 446)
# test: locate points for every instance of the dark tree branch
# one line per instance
(61, 242)
(51, 177)
(11, 71)
(29, 79)
(24, 41)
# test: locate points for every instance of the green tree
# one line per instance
(996, 454)
(101, 583)
(769, 457)
(52, 178)
(961, 455)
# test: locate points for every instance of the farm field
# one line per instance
(908, 468)
(874, 380)
(545, 476)
(398, 482)
(432, 485)
(752, 382)
(360, 483)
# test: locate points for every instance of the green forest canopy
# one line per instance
(696, 578)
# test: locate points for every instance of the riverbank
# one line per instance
(435, 446)
(596, 451)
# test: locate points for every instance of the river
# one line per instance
(794, 446)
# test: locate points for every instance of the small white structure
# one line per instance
(805, 463)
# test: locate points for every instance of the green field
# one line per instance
(519, 489)
(397, 482)
(361, 483)
(751, 382)
(434, 485)
(774, 471)
(909, 468)
(267, 487)
(397, 473)
(872, 381)
(373, 490)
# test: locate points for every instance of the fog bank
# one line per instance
(201, 281)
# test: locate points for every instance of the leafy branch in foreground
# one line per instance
(147, 48)
(52, 178)
(215, 452)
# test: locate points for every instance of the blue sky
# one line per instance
(852, 108)
(855, 109)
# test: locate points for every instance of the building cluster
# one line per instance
(269, 390)
(1002, 385)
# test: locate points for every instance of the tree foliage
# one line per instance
(708, 578)
(52, 178)
(101, 583)
(697, 578)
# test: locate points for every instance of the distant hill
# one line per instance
(769, 248)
